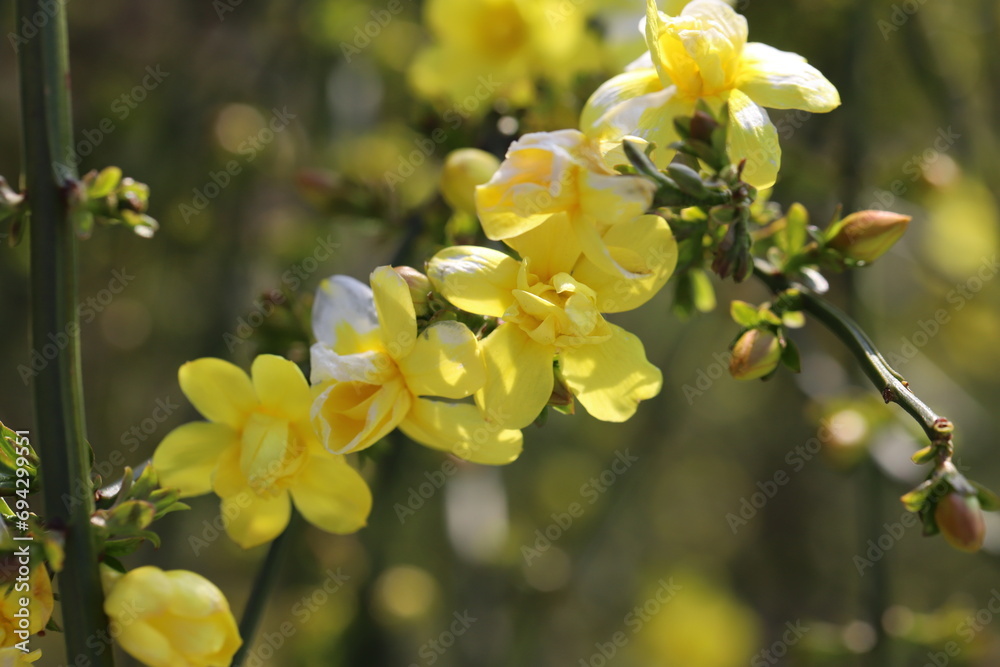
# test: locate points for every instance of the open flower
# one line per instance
(374, 373)
(703, 54)
(15, 624)
(170, 619)
(559, 179)
(550, 311)
(258, 452)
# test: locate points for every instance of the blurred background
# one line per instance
(727, 523)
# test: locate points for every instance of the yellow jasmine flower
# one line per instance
(258, 452)
(374, 372)
(549, 311)
(170, 619)
(15, 627)
(703, 54)
(15, 657)
(489, 49)
(559, 180)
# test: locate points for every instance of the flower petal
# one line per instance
(753, 137)
(649, 117)
(477, 280)
(227, 478)
(610, 378)
(396, 315)
(185, 459)
(147, 644)
(519, 377)
(460, 428)
(444, 362)
(219, 390)
(613, 92)
(281, 386)
(372, 366)
(254, 519)
(644, 246)
(782, 80)
(332, 495)
(342, 312)
(550, 248)
(349, 416)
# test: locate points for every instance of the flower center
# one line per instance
(501, 29)
(561, 312)
(273, 452)
(701, 57)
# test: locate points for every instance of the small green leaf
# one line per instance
(925, 455)
(790, 357)
(702, 291)
(744, 314)
(914, 500)
(105, 183)
(989, 501)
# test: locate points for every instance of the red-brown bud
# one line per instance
(866, 235)
(961, 521)
(755, 354)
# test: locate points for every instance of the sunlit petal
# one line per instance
(477, 280)
(219, 390)
(752, 136)
(185, 459)
(519, 377)
(444, 362)
(332, 495)
(783, 80)
(460, 428)
(396, 315)
(281, 386)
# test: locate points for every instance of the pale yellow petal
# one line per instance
(644, 245)
(607, 199)
(649, 117)
(350, 416)
(752, 136)
(652, 28)
(444, 362)
(255, 520)
(396, 315)
(281, 387)
(610, 378)
(331, 495)
(227, 478)
(550, 248)
(343, 310)
(612, 93)
(148, 645)
(186, 458)
(219, 390)
(477, 280)
(460, 428)
(783, 80)
(519, 377)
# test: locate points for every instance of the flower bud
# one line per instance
(961, 521)
(170, 618)
(866, 235)
(756, 354)
(420, 288)
(464, 169)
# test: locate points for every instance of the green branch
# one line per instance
(58, 396)
(887, 381)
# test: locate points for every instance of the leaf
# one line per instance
(790, 357)
(793, 236)
(914, 499)
(744, 314)
(702, 292)
(105, 183)
(925, 455)
(989, 501)
(814, 280)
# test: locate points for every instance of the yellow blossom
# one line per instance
(374, 372)
(259, 453)
(15, 657)
(558, 180)
(18, 622)
(170, 619)
(703, 54)
(489, 49)
(550, 307)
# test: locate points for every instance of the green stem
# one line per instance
(889, 383)
(263, 585)
(58, 393)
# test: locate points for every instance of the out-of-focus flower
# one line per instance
(867, 235)
(373, 372)
(18, 622)
(489, 49)
(558, 180)
(15, 657)
(756, 354)
(170, 619)
(703, 54)
(550, 307)
(258, 452)
(960, 519)
(463, 170)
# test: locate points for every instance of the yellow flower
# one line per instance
(18, 622)
(488, 49)
(257, 449)
(15, 657)
(170, 619)
(374, 373)
(703, 54)
(549, 310)
(559, 180)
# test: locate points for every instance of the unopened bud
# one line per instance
(960, 519)
(756, 354)
(866, 235)
(420, 288)
(464, 169)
